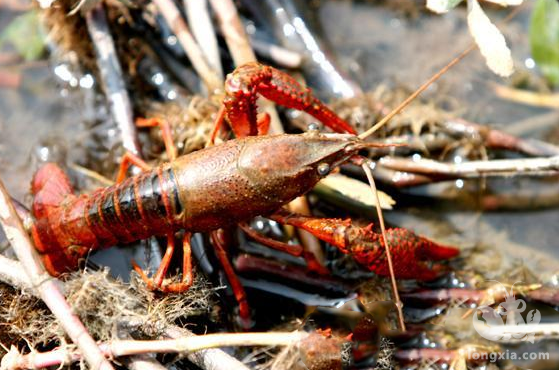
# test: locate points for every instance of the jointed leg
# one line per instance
(238, 290)
(129, 159)
(156, 283)
(294, 250)
(166, 134)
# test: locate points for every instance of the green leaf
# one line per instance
(26, 35)
(544, 38)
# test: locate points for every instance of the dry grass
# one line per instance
(109, 308)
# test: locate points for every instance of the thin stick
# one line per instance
(475, 169)
(241, 50)
(414, 95)
(211, 358)
(526, 97)
(11, 272)
(280, 55)
(399, 304)
(143, 362)
(175, 21)
(233, 31)
(92, 174)
(121, 348)
(111, 75)
(45, 284)
(203, 30)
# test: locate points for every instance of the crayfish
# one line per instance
(220, 186)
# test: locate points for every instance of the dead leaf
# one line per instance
(490, 41)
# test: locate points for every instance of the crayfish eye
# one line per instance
(323, 169)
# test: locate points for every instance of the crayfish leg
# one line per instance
(166, 134)
(236, 286)
(157, 283)
(294, 250)
(129, 159)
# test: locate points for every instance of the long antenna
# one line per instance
(399, 305)
(434, 78)
(414, 95)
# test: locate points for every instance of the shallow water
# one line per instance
(379, 46)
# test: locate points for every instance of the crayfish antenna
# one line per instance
(365, 165)
(415, 94)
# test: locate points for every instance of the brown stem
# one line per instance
(45, 285)
(111, 75)
(475, 169)
(175, 21)
(241, 50)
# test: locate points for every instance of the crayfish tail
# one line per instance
(50, 186)
(51, 190)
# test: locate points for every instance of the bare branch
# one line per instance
(203, 30)
(45, 285)
(178, 25)
(111, 75)
(474, 169)
(119, 348)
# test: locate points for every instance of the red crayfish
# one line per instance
(220, 186)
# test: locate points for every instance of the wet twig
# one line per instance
(175, 21)
(278, 54)
(45, 285)
(240, 49)
(203, 30)
(233, 31)
(119, 348)
(111, 75)
(211, 358)
(527, 97)
(144, 362)
(11, 272)
(497, 139)
(474, 169)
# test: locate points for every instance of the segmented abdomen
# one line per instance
(139, 207)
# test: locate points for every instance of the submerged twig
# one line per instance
(46, 285)
(144, 362)
(278, 54)
(211, 358)
(498, 139)
(11, 272)
(111, 76)
(527, 97)
(233, 31)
